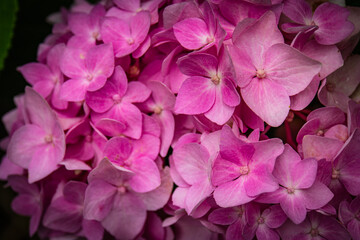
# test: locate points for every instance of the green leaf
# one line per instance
(8, 9)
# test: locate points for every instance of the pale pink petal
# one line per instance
(99, 197)
(192, 33)
(223, 171)
(303, 99)
(162, 95)
(196, 194)
(232, 193)
(100, 60)
(74, 90)
(294, 207)
(219, 113)
(147, 175)
(317, 196)
(304, 173)
(72, 63)
(167, 131)
(268, 100)
(35, 72)
(290, 68)
(259, 181)
(191, 161)
(196, 95)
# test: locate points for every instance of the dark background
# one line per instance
(30, 30)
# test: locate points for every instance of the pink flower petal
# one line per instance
(147, 176)
(317, 196)
(198, 64)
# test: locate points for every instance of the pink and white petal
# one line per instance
(192, 33)
(335, 29)
(244, 66)
(196, 96)
(136, 92)
(133, 216)
(196, 194)
(99, 200)
(191, 161)
(317, 196)
(147, 175)
(229, 94)
(35, 72)
(24, 143)
(219, 113)
(259, 37)
(294, 207)
(198, 64)
(232, 193)
(268, 100)
(74, 90)
(44, 161)
(140, 25)
(290, 68)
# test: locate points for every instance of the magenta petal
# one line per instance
(268, 100)
(99, 197)
(118, 149)
(92, 229)
(100, 101)
(35, 72)
(133, 216)
(304, 173)
(229, 94)
(167, 131)
(320, 147)
(74, 90)
(224, 216)
(100, 60)
(219, 113)
(196, 96)
(192, 33)
(265, 233)
(162, 94)
(259, 181)
(72, 63)
(274, 216)
(232, 193)
(136, 92)
(110, 127)
(223, 171)
(196, 194)
(147, 176)
(294, 207)
(290, 68)
(335, 29)
(198, 64)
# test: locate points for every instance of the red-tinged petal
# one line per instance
(74, 90)
(320, 147)
(196, 96)
(232, 193)
(147, 175)
(133, 216)
(196, 194)
(35, 72)
(268, 100)
(290, 68)
(92, 229)
(298, 11)
(294, 206)
(317, 196)
(24, 143)
(192, 33)
(225, 216)
(335, 29)
(156, 199)
(136, 92)
(219, 113)
(99, 200)
(191, 161)
(198, 64)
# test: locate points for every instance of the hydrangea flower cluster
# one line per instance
(157, 120)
